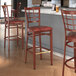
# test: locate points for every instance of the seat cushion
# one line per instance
(71, 36)
(39, 29)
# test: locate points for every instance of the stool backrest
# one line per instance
(18, 8)
(32, 16)
(6, 13)
(69, 20)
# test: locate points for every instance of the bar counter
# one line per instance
(49, 11)
(54, 20)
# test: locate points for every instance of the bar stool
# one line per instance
(16, 12)
(11, 24)
(69, 21)
(34, 29)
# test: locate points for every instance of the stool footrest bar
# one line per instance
(69, 65)
(43, 52)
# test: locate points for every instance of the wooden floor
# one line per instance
(12, 62)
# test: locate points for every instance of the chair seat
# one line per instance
(72, 36)
(39, 29)
(15, 21)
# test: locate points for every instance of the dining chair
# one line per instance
(12, 24)
(69, 20)
(34, 29)
(16, 12)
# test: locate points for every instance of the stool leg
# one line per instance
(75, 56)
(8, 38)
(34, 55)
(40, 46)
(22, 37)
(5, 36)
(11, 13)
(51, 47)
(64, 58)
(26, 48)
(17, 35)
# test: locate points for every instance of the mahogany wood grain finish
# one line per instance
(33, 16)
(69, 20)
(12, 24)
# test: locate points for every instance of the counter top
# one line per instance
(50, 11)
(47, 11)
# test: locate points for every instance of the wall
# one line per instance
(29, 3)
(72, 3)
(57, 2)
(36, 2)
(8, 3)
(66, 3)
